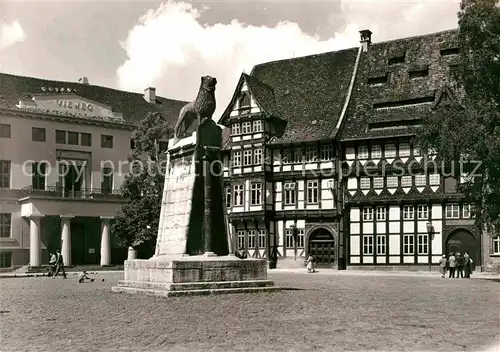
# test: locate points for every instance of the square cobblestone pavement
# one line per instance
(328, 313)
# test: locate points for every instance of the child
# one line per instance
(83, 276)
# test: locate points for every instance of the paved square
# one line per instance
(332, 312)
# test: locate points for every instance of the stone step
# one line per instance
(204, 292)
(194, 285)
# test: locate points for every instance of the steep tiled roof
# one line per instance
(132, 105)
(398, 82)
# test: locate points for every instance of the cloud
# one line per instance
(10, 34)
(170, 49)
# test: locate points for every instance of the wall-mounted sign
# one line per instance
(75, 105)
(91, 250)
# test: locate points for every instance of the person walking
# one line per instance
(468, 265)
(52, 264)
(309, 265)
(442, 265)
(460, 266)
(59, 264)
(452, 263)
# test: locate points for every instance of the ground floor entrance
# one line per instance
(462, 241)
(322, 247)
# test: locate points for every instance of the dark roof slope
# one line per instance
(132, 105)
(309, 92)
(398, 82)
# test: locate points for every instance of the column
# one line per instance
(105, 242)
(66, 239)
(35, 242)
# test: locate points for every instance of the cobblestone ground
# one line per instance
(331, 313)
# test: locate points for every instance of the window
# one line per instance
(238, 195)
(257, 126)
(251, 239)
(363, 152)
(106, 141)
(247, 157)
(406, 181)
(132, 143)
(244, 107)
(5, 259)
(434, 179)
(423, 212)
(326, 152)
(236, 129)
(73, 138)
(256, 194)
(311, 153)
(467, 211)
(300, 238)
(392, 181)
(367, 214)
(289, 190)
(236, 158)
(420, 180)
(496, 245)
(38, 134)
(376, 152)
(4, 174)
(241, 239)
(86, 140)
(39, 172)
(452, 211)
(289, 238)
(416, 151)
(390, 151)
(262, 239)
(365, 183)
(423, 244)
(408, 244)
(228, 197)
(408, 212)
(60, 137)
(257, 156)
(312, 192)
(4, 130)
(367, 245)
(287, 157)
(404, 149)
(378, 182)
(246, 127)
(5, 224)
(381, 213)
(106, 180)
(298, 155)
(381, 245)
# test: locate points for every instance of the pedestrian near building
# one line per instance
(442, 265)
(59, 265)
(460, 266)
(452, 263)
(468, 265)
(310, 261)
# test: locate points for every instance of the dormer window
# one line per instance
(246, 127)
(236, 129)
(244, 103)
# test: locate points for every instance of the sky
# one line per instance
(169, 45)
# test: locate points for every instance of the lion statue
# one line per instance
(202, 107)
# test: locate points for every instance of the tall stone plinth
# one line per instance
(192, 251)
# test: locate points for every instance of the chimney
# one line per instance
(150, 95)
(83, 80)
(366, 39)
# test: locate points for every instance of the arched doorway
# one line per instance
(322, 247)
(463, 241)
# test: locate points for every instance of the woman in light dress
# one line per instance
(310, 261)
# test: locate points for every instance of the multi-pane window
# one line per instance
(261, 239)
(257, 125)
(4, 174)
(73, 138)
(326, 152)
(408, 244)
(247, 157)
(408, 212)
(289, 238)
(238, 195)
(367, 214)
(363, 152)
(416, 151)
(423, 244)
(251, 239)
(300, 238)
(311, 153)
(390, 151)
(381, 244)
(312, 192)
(4, 130)
(367, 244)
(86, 139)
(5, 259)
(404, 149)
(106, 180)
(256, 193)
(60, 137)
(245, 103)
(406, 181)
(5, 224)
(298, 155)
(496, 245)
(228, 197)
(381, 213)
(423, 212)
(38, 174)
(365, 182)
(392, 181)
(287, 156)
(420, 180)
(38, 134)
(106, 141)
(452, 211)
(434, 179)
(241, 239)
(257, 156)
(378, 182)
(246, 127)
(236, 129)
(467, 211)
(237, 158)
(376, 152)
(289, 192)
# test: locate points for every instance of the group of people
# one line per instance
(56, 264)
(457, 264)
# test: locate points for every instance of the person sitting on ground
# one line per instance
(83, 276)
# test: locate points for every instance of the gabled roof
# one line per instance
(132, 105)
